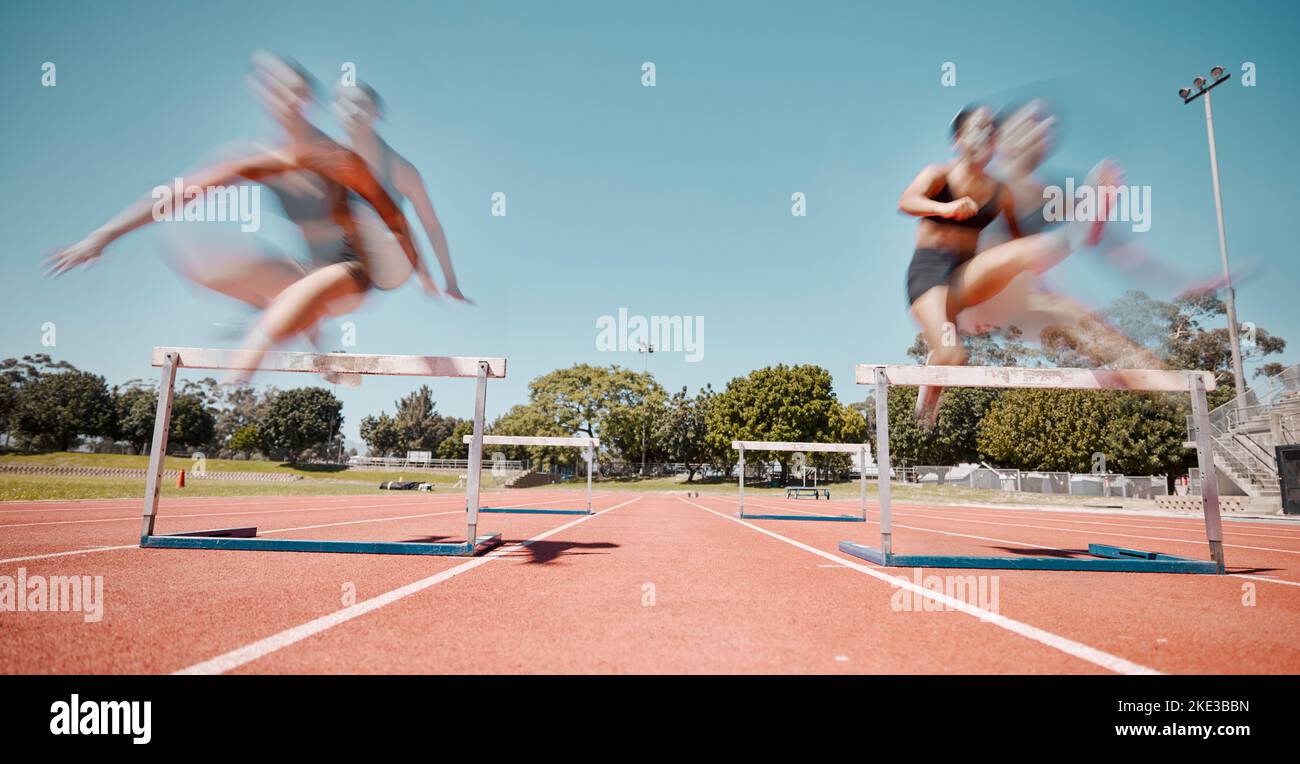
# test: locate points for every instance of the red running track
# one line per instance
(652, 583)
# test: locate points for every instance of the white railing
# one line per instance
(1247, 427)
(1257, 400)
(1044, 481)
(402, 462)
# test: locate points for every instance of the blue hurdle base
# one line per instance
(246, 539)
(829, 518)
(522, 511)
(1104, 558)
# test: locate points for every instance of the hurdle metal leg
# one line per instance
(245, 538)
(882, 462)
(158, 450)
(1209, 480)
(1101, 557)
(742, 481)
(476, 453)
(591, 460)
(862, 482)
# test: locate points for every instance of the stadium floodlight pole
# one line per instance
(645, 350)
(1199, 88)
(334, 422)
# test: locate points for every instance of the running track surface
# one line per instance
(651, 583)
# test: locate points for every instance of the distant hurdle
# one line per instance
(840, 448)
(1102, 557)
(170, 359)
(589, 444)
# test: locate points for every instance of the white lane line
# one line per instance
(91, 550)
(1104, 533)
(406, 517)
(978, 521)
(1043, 546)
(263, 647)
(204, 502)
(948, 533)
(218, 502)
(1265, 578)
(1046, 638)
(358, 522)
(137, 518)
(1189, 527)
(1192, 523)
(403, 502)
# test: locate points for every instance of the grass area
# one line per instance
(334, 481)
(29, 487)
(117, 461)
(317, 481)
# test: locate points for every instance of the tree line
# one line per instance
(52, 405)
(48, 405)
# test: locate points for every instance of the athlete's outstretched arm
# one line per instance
(407, 180)
(336, 163)
(141, 213)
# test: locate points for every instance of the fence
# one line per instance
(1058, 483)
(432, 465)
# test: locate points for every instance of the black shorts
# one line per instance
(345, 254)
(931, 268)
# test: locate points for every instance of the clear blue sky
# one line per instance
(672, 200)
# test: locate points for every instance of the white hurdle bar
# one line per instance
(170, 359)
(774, 445)
(1194, 383)
(588, 444)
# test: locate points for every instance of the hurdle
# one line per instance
(773, 445)
(589, 444)
(170, 359)
(1102, 557)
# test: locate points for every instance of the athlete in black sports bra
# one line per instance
(955, 201)
(932, 266)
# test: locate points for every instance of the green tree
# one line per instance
(301, 419)
(955, 436)
(852, 429)
(193, 424)
(792, 403)
(453, 446)
(683, 429)
(578, 399)
(528, 419)
(416, 425)
(422, 427)
(55, 409)
(382, 435)
(136, 408)
(246, 440)
(15, 374)
(1065, 430)
(629, 431)
(241, 406)
(1189, 333)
